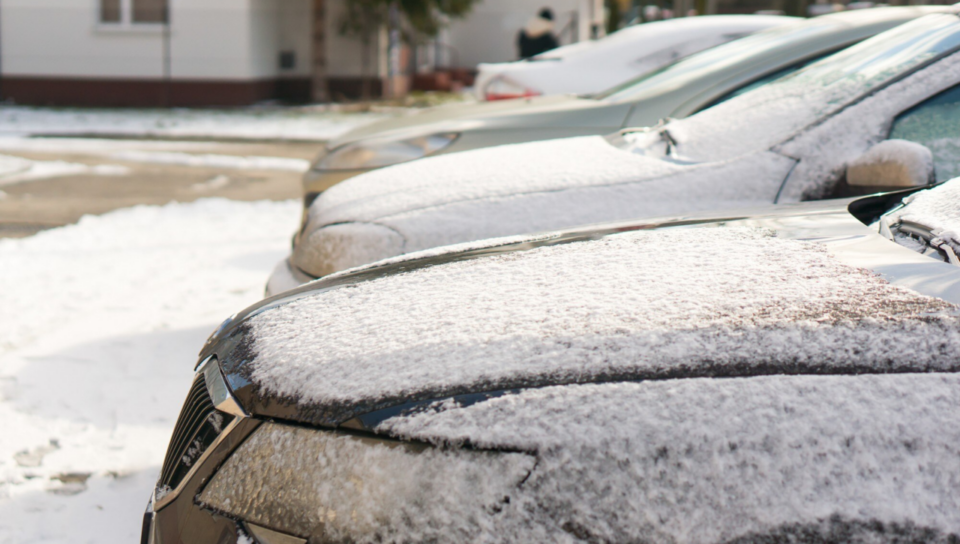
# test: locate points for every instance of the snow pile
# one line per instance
(641, 304)
(353, 488)
(244, 124)
(937, 209)
(100, 323)
(765, 459)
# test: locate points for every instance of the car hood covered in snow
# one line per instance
(738, 297)
(779, 374)
(508, 190)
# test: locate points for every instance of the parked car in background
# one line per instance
(783, 375)
(592, 66)
(676, 91)
(790, 140)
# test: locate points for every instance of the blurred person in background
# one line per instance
(537, 37)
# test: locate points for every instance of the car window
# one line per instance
(765, 116)
(713, 60)
(765, 79)
(934, 123)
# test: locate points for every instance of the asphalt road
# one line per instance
(32, 206)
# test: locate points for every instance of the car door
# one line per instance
(896, 111)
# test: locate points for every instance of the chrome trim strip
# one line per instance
(217, 389)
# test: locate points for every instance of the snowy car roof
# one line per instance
(647, 304)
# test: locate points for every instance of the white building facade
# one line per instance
(224, 52)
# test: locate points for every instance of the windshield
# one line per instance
(713, 60)
(769, 114)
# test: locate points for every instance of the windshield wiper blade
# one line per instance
(925, 233)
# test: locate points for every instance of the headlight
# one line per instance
(380, 152)
(330, 486)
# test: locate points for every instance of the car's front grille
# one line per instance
(197, 427)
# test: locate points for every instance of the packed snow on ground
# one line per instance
(208, 160)
(100, 324)
(643, 304)
(182, 153)
(17, 169)
(712, 460)
(273, 123)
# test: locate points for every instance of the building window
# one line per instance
(126, 12)
(110, 11)
(149, 11)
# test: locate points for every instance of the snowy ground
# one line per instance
(99, 329)
(306, 123)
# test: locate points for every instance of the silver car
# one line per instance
(794, 139)
(676, 91)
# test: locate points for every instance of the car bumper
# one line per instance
(284, 277)
(180, 520)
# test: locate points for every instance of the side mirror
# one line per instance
(892, 164)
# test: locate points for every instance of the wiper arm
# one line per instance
(925, 233)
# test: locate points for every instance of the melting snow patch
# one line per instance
(17, 170)
(213, 161)
(248, 124)
(99, 330)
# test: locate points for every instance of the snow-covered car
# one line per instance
(592, 66)
(676, 91)
(790, 140)
(790, 374)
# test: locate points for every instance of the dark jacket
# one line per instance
(537, 37)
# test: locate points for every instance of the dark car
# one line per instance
(783, 375)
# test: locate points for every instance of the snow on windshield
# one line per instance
(641, 303)
(766, 459)
(772, 113)
(714, 60)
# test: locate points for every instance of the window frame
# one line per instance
(126, 21)
(893, 121)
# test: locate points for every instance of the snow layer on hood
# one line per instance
(710, 460)
(937, 208)
(518, 189)
(650, 303)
